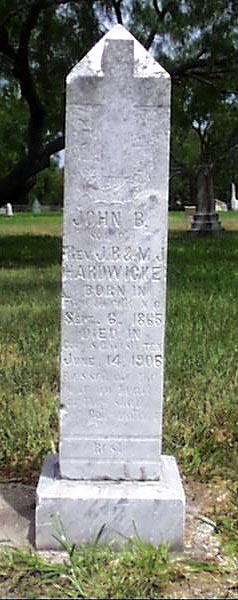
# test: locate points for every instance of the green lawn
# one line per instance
(32, 224)
(201, 408)
(51, 223)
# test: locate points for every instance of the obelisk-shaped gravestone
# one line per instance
(110, 468)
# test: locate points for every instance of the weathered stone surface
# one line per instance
(206, 223)
(110, 469)
(114, 265)
(153, 510)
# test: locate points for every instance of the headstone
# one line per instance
(205, 220)
(220, 206)
(9, 210)
(190, 212)
(110, 474)
(234, 201)
(36, 207)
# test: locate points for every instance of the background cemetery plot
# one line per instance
(201, 347)
(200, 419)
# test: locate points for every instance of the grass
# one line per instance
(179, 222)
(29, 343)
(32, 224)
(202, 354)
(137, 571)
(200, 413)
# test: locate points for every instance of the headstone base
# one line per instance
(79, 510)
(206, 223)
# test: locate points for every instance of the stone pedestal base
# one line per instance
(154, 511)
(206, 223)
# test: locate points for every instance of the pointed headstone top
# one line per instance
(93, 65)
(119, 32)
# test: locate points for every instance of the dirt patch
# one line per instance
(202, 545)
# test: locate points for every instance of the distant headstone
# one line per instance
(36, 207)
(110, 475)
(9, 210)
(205, 220)
(190, 212)
(220, 206)
(234, 201)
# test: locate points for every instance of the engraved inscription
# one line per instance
(114, 267)
(99, 218)
(142, 319)
(105, 448)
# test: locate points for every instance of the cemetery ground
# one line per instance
(200, 415)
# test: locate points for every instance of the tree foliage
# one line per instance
(48, 188)
(40, 40)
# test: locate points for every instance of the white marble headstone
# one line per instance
(110, 476)
(9, 210)
(114, 265)
(234, 201)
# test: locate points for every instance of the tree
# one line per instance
(205, 138)
(196, 44)
(204, 110)
(40, 40)
(48, 189)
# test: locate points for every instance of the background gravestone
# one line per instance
(205, 219)
(36, 207)
(234, 201)
(111, 470)
(9, 210)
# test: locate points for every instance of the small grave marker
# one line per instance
(9, 210)
(36, 207)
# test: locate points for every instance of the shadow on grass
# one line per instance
(206, 263)
(30, 250)
(200, 248)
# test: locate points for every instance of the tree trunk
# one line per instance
(15, 185)
(193, 190)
